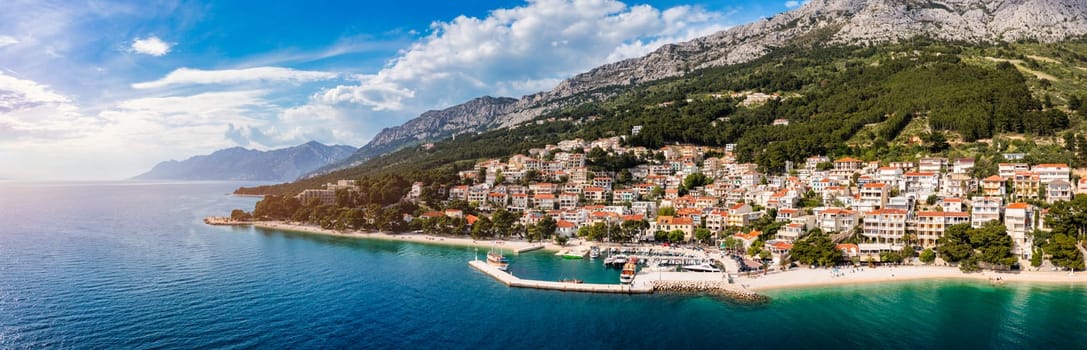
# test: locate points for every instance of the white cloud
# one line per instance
(15, 92)
(151, 45)
(795, 3)
(122, 132)
(7, 40)
(188, 76)
(518, 51)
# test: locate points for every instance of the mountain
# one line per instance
(238, 163)
(470, 116)
(817, 23)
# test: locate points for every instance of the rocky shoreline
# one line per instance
(712, 288)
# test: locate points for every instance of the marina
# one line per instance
(652, 279)
(513, 281)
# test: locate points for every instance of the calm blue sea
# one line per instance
(130, 265)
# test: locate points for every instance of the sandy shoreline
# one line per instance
(799, 278)
(405, 237)
(807, 278)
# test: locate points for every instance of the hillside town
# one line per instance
(678, 191)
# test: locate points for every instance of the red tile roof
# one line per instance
(1019, 205)
(748, 236)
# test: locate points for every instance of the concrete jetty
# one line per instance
(528, 249)
(646, 282)
(513, 281)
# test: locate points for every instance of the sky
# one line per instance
(102, 90)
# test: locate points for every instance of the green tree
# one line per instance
(677, 236)
(546, 227)
(1036, 258)
(732, 243)
(631, 229)
(995, 244)
(816, 249)
(1075, 102)
(482, 228)
(1063, 252)
(927, 256)
(503, 222)
(696, 180)
(598, 231)
(240, 215)
(955, 246)
(666, 211)
(936, 142)
(755, 247)
(703, 234)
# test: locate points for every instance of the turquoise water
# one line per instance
(122, 265)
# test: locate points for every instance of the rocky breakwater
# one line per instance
(713, 288)
(224, 221)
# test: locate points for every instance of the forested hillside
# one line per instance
(893, 101)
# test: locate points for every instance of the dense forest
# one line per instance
(828, 95)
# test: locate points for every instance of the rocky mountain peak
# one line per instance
(826, 22)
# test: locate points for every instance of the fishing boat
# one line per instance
(629, 270)
(498, 260)
(703, 267)
(594, 253)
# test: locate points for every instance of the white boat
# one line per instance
(498, 260)
(594, 253)
(616, 261)
(703, 267)
(629, 270)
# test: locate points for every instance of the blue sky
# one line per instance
(106, 89)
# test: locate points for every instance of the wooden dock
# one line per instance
(513, 281)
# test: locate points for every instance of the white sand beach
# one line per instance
(795, 278)
(804, 277)
(406, 237)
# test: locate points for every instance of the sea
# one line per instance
(130, 265)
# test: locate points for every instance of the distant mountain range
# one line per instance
(238, 163)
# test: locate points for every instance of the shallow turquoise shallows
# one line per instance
(131, 265)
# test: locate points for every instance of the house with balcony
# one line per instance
(992, 186)
(985, 209)
(1052, 172)
(874, 196)
(836, 219)
(1058, 190)
(1019, 220)
(885, 226)
(929, 225)
(1026, 185)
(1008, 170)
(922, 183)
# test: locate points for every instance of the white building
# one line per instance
(1019, 220)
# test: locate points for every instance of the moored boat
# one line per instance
(498, 260)
(703, 267)
(629, 270)
(594, 253)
